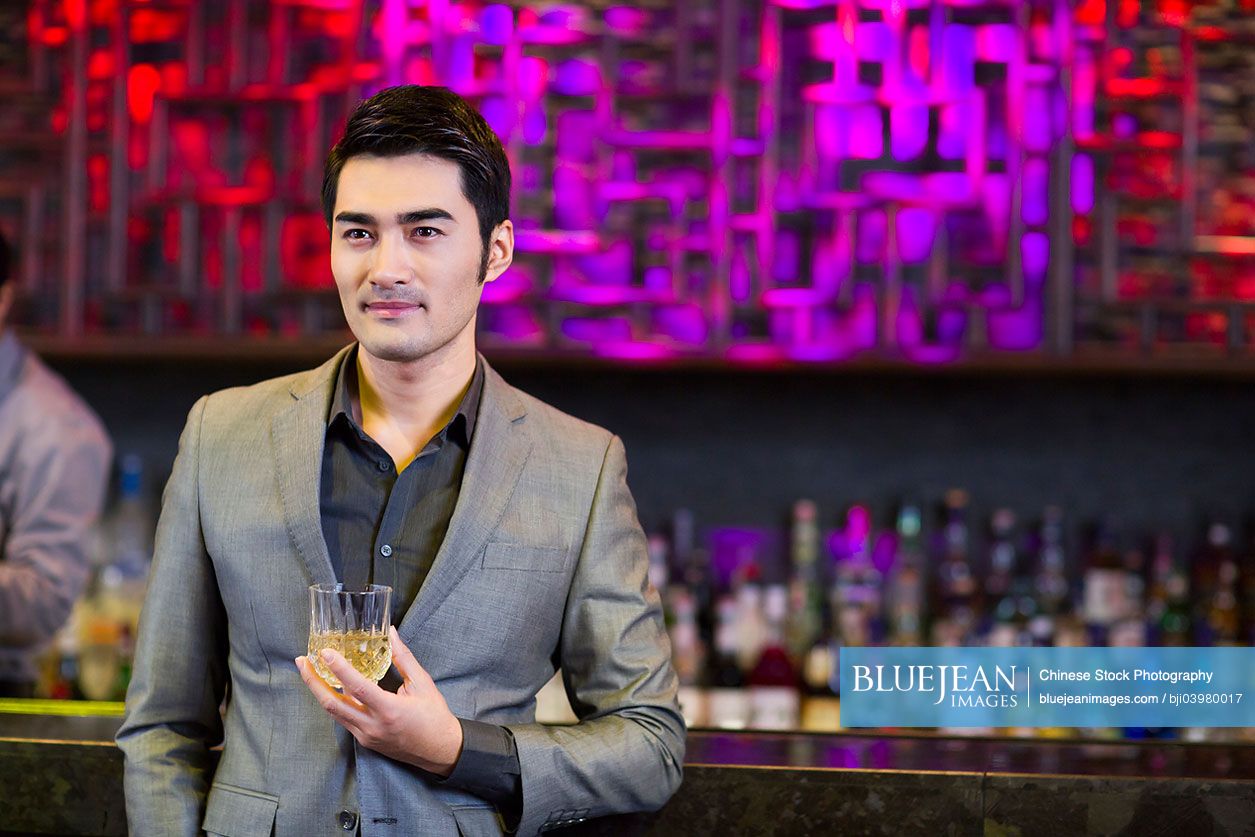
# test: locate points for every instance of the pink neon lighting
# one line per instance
(783, 202)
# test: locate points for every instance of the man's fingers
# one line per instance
(404, 660)
(355, 685)
(344, 710)
(315, 683)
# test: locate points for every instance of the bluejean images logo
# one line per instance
(1068, 687)
(958, 686)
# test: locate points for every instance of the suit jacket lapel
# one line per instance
(499, 450)
(298, 432)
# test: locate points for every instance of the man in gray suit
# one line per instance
(505, 527)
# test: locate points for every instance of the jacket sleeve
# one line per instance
(172, 707)
(61, 476)
(626, 752)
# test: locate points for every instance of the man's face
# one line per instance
(406, 255)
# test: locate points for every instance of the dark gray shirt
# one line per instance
(382, 527)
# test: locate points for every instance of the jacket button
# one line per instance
(348, 820)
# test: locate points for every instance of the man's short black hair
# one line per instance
(415, 119)
(5, 257)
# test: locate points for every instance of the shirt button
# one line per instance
(385, 551)
(384, 464)
(348, 820)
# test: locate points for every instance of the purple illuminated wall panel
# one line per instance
(758, 182)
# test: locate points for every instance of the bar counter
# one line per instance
(61, 774)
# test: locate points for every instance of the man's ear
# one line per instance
(500, 251)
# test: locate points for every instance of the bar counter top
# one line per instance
(62, 775)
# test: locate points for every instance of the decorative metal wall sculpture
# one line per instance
(755, 182)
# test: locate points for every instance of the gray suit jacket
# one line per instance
(544, 566)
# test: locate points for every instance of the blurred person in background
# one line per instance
(54, 467)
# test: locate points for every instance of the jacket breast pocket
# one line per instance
(239, 812)
(525, 557)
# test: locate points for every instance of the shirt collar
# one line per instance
(12, 356)
(460, 428)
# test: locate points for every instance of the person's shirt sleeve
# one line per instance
(489, 768)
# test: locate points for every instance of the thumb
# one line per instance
(411, 672)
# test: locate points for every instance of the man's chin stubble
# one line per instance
(398, 354)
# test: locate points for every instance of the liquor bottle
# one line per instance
(126, 657)
(1130, 628)
(128, 542)
(109, 610)
(728, 704)
(956, 594)
(688, 655)
(99, 628)
(820, 710)
(751, 628)
(1050, 578)
(1102, 598)
(682, 537)
(1217, 620)
(1224, 617)
(129, 526)
(1204, 567)
(856, 592)
(1134, 584)
(1024, 595)
(773, 681)
(692, 568)
(1246, 574)
(1070, 631)
(1174, 628)
(1104, 588)
(1129, 632)
(805, 622)
(906, 587)
(1157, 581)
(1168, 607)
(1000, 572)
(1054, 622)
(65, 686)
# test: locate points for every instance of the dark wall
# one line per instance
(741, 447)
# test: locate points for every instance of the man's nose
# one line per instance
(390, 266)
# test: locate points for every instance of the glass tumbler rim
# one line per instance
(338, 587)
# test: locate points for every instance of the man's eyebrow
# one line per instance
(414, 216)
(417, 215)
(356, 218)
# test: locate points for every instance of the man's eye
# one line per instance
(426, 232)
(357, 235)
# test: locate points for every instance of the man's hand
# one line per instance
(414, 725)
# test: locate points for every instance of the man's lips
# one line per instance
(392, 309)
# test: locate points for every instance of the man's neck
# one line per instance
(402, 406)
